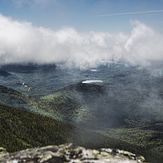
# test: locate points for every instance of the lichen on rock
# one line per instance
(70, 154)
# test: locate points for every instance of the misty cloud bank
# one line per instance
(23, 42)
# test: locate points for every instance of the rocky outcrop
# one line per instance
(70, 153)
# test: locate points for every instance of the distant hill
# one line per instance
(13, 98)
(27, 67)
(4, 73)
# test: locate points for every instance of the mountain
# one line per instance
(4, 73)
(27, 67)
(93, 110)
(116, 108)
(13, 98)
(20, 129)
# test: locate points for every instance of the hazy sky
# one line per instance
(85, 14)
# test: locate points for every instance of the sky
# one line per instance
(85, 15)
(81, 33)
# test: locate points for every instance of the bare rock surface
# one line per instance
(70, 154)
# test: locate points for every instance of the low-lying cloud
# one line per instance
(23, 42)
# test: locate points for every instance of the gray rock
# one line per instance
(70, 154)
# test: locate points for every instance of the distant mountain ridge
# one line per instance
(27, 67)
(4, 73)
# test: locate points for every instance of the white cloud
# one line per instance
(23, 42)
(133, 13)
